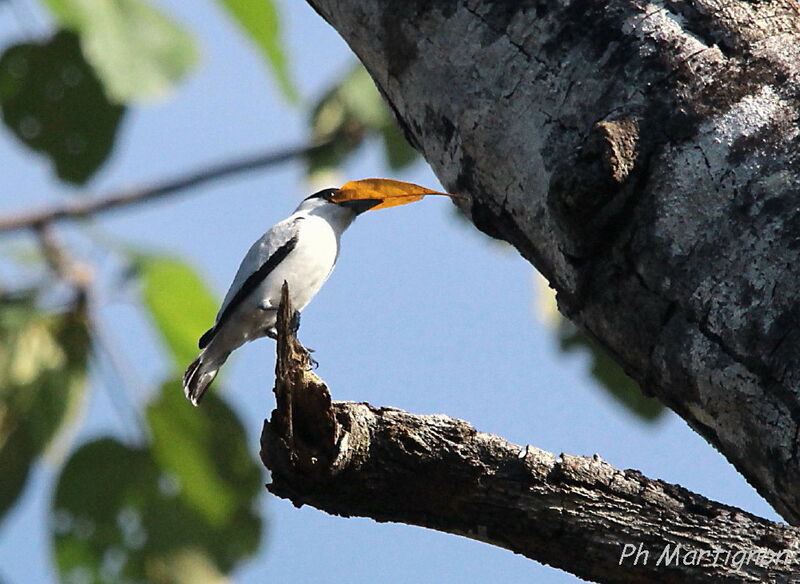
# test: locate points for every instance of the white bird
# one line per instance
(301, 250)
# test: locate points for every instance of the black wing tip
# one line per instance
(194, 398)
(195, 381)
(207, 337)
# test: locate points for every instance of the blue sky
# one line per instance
(422, 313)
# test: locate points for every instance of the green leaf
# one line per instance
(362, 99)
(53, 102)
(179, 302)
(349, 112)
(119, 516)
(43, 366)
(609, 375)
(17, 457)
(399, 153)
(103, 507)
(261, 21)
(137, 51)
(206, 450)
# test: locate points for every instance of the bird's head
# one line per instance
(368, 194)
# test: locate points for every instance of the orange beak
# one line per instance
(386, 193)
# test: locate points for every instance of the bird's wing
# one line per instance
(266, 253)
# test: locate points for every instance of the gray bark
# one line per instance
(575, 513)
(644, 157)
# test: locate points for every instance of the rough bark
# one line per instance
(575, 513)
(645, 157)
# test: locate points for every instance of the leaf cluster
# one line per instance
(177, 501)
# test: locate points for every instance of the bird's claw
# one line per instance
(294, 322)
(312, 363)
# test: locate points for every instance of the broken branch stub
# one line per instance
(302, 426)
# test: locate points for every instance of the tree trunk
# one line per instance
(645, 157)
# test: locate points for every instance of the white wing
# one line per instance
(259, 253)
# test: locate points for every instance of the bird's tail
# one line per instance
(199, 375)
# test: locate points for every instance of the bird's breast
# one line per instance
(308, 265)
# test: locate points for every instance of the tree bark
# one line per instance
(575, 513)
(645, 157)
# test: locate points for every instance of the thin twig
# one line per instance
(124, 393)
(77, 273)
(88, 207)
(80, 276)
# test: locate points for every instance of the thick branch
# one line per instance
(82, 208)
(575, 513)
(645, 156)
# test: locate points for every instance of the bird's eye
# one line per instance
(326, 195)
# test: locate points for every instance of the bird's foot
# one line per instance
(294, 323)
(312, 363)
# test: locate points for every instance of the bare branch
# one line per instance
(575, 513)
(79, 274)
(81, 208)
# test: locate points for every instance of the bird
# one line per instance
(301, 250)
